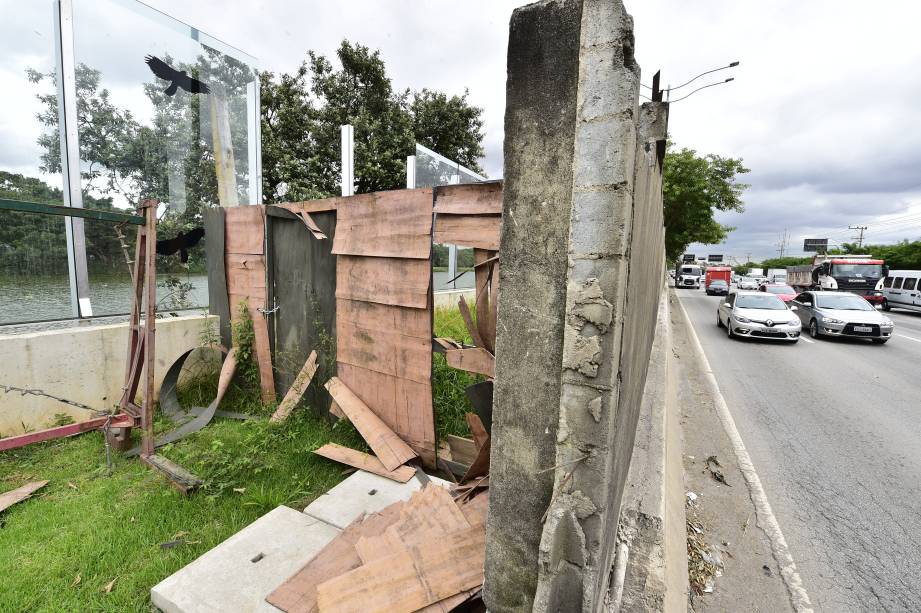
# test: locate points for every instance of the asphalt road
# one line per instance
(834, 430)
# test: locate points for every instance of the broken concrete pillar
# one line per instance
(583, 257)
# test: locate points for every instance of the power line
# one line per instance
(783, 242)
(859, 237)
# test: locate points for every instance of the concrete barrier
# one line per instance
(84, 364)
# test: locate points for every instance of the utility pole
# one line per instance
(783, 243)
(859, 237)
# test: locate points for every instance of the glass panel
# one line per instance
(434, 169)
(33, 268)
(30, 162)
(154, 96)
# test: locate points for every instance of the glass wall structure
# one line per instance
(107, 103)
(452, 264)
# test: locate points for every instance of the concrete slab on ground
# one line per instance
(227, 579)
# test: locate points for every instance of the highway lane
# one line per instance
(834, 430)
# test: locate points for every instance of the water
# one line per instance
(35, 298)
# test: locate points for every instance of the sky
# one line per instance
(823, 108)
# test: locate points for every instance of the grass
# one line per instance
(61, 548)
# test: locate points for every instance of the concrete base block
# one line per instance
(227, 579)
(362, 492)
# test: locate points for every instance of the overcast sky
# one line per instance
(823, 108)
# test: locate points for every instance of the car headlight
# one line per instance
(831, 320)
(742, 320)
(887, 323)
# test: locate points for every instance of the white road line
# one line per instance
(803, 338)
(766, 519)
(911, 338)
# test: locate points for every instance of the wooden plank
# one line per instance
(396, 281)
(448, 343)
(468, 322)
(480, 436)
(389, 448)
(244, 229)
(8, 499)
(385, 351)
(436, 569)
(246, 274)
(298, 594)
(386, 224)
(469, 198)
(479, 231)
(334, 410)
(263, 356)
(405, 406)
(463, 450)
(480, 466)
(483, 269)
(312, 225)
(297, 389)
(408, 321)
(476, 508)
(475, 359)
(364, 462)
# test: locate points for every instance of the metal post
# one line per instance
(254, 131)
(70, 158)
(347, 137)
(410, 172)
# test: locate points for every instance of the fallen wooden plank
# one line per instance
(484, 321)
(478, 231)
(480, 466)
(438, 568)
(396, 281)
(334, 410)
(298, 594)
(244, 229)
(469, 198)
(475, 359)
(480, 436)
(394, 224)
(448, 343)
(180, 478)
(364, 462)
(8, 499)
(388, 447)
(297, 389)
(468, 322)
(463, 450)
(263, 356)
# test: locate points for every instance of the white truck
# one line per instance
(860, 274)
(777, 275)
(688, 276)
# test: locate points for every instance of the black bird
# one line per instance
(177, 78)
(181, 243)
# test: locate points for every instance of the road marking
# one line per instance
(803, 338)
(766, 519)
(911, 338)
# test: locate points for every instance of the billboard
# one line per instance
(688, 258)
(715, 257)
(819, 245)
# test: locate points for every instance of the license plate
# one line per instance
(863, 329)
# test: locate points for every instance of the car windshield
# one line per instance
(842, 302)
(858, 270)
(779, 289)
(761, 301)
(745, 280)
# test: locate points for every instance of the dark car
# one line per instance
(718, 287)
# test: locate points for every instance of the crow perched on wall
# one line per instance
(177, 78)
(181, 243)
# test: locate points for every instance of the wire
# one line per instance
(731, 65)
(700, 88)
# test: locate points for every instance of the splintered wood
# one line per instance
(426, 554)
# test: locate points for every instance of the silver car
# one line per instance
(841, 314)
(757, 315)
(747, 283)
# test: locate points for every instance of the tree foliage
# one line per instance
(695, 187)
(904, 255)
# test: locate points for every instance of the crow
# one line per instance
(181, 242)
(177, 78)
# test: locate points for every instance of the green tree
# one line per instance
(694, 188)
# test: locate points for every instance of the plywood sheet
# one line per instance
(298, 594)
(469, 199)
(386, 224)
(463, 450)
(385, 350)
(400, 282)
(405, 406)
(389, 448)
(475, 359)
(246, 275)
(412, 322)
(365, 462)
(479, 231)
(245, 229)
(436, 569)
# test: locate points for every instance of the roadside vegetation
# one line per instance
(91, 541)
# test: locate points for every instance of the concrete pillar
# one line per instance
(582, 208)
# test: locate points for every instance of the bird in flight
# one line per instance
(177, 78)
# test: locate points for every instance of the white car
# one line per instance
(747, 283)
(757, 315)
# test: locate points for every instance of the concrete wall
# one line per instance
(583, 249)
(85, 364)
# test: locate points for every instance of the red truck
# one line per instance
(718, 273)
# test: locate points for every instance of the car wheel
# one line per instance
(729, 328)
(886, 306)
(814, 329)
(719, 322)
(880, 341)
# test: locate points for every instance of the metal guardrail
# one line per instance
(66, 211)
